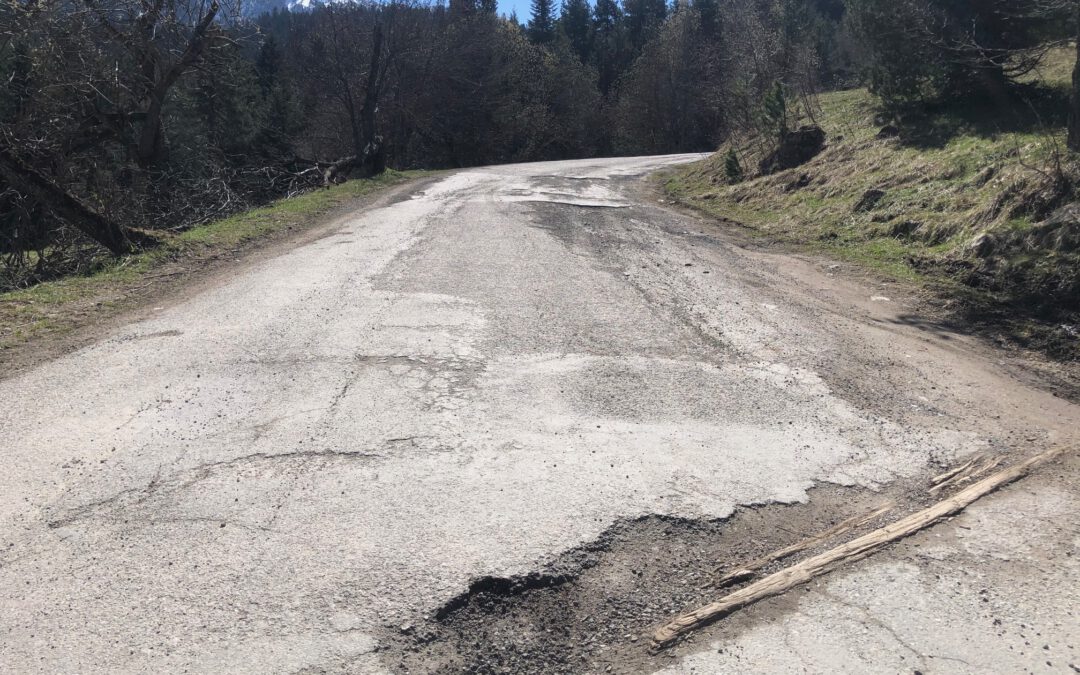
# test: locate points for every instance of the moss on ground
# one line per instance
(957, 199)
(56, 307)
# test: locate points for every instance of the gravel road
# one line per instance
(504, 372)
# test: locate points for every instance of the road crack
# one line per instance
(158, 487)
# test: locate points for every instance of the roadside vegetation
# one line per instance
(972, 199)
(110, 284)
(123, 122)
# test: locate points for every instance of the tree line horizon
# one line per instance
(121, 118)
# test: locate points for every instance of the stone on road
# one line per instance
(467, 382)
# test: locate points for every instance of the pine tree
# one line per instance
(461, 8)
(574, 22)
(732, 168)
(268, 64)
(541, 27)
(775, 111)
(709, 13)
(643, 19)
(948, 48)
(609, 54)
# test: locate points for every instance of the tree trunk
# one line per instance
(1074, 96)
(150, 147)
(354, 126)
(338, 168)
(373, 159)
(369, 155)
(27, 180)
(374, 84)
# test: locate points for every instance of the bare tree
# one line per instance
(97, 77)
(1074, 95)
(163, 40)
(334, 54)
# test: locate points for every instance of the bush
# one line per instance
(732, 168)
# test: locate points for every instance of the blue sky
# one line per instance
(523, 8)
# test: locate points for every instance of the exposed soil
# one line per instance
(594, 608)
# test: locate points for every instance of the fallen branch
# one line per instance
(856, 549)
(31, 182)
(748, 570)
(341, 166)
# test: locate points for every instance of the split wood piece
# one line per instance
(967, 473)
(748, 570)
(857, 549)
(939, 479)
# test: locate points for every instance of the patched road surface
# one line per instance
(521, 380)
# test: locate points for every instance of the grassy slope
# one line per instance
(946, 180)
(56, 307)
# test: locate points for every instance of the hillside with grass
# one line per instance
(976, 202)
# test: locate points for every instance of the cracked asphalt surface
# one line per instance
(469, 382)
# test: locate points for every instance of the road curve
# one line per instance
(488, 372)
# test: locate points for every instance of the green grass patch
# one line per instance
(56, 307)
(259, 222)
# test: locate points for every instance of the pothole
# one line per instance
(594, 608)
